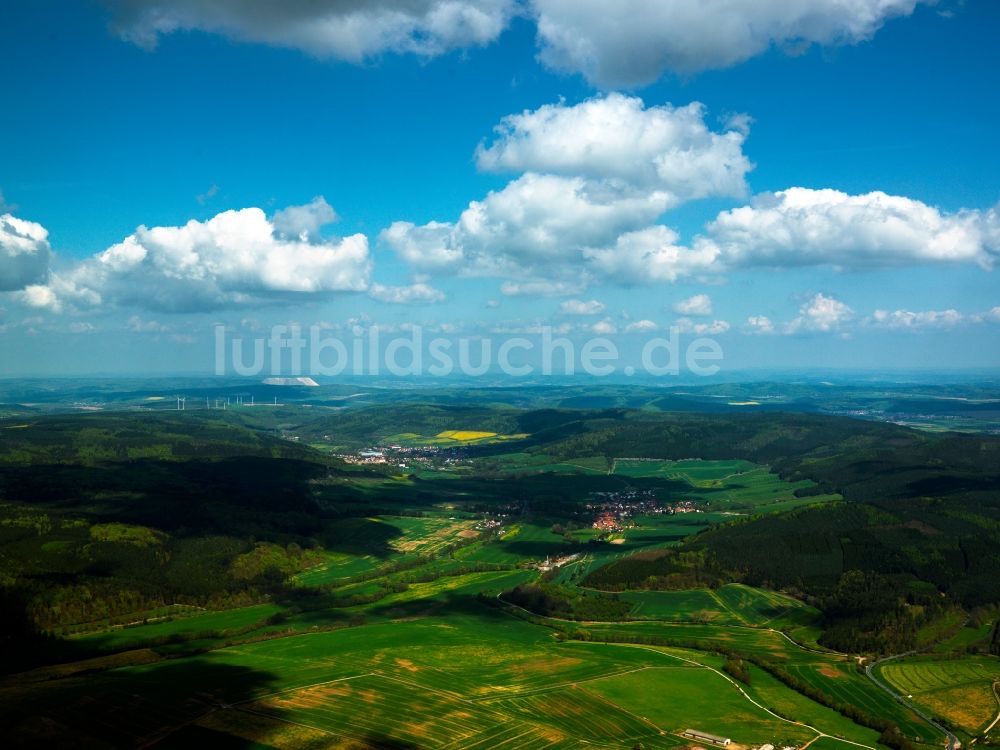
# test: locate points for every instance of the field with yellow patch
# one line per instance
(465, 435)
(960, 690)
(428, 536)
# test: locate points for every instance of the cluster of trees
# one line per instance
(736, 668)
(659, 570)
(266, 557)
(550, 600)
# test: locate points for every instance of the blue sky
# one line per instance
(832, 202)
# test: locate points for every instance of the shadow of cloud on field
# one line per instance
(200, 736)
(450, 604)
(360, 536)
(384, 742)
(128, 707)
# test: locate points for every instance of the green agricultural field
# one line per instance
(676, 697)
(430, 536)
(524, 541)
(337, 567)
(697, 473)
(432, 682)
(842, 681)
(765, 643)
(732, 604)
(959, 690)
(760, 607)
(736, 487)
(834, 674)
(769, 691)
(179, 628)
(358, 546)
(577, 711)
(967, 635)
(693, 605)
(419, 597)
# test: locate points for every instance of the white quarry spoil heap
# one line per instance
(291, 381)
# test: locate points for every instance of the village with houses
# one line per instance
(617, 510)
(404, 457)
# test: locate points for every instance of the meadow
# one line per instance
(731, 604)
(961, 691)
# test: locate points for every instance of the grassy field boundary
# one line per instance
(819, 733)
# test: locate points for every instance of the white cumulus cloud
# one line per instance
(820, 313)
(759, 325)
(304, 222)
(353, 30)
(804, 227)
(650, 255)
(235, 258)
(686, 325)
(616, 137)
(40, 296)
(536, 221)
(540, 288)
(631, 42)
(24, 253)
(699, 305)
(414, 294)
(604, 327)
(138, 325)
(582, 307)
(640, 325)
(911, 320)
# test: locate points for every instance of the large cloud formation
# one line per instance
(592, 173)
(24, 253)
(613, 44)
(632, 43)
(800, 227)
(663, 148)
(235, 258)
(596, 178)
(352, 30)
(803, 227)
